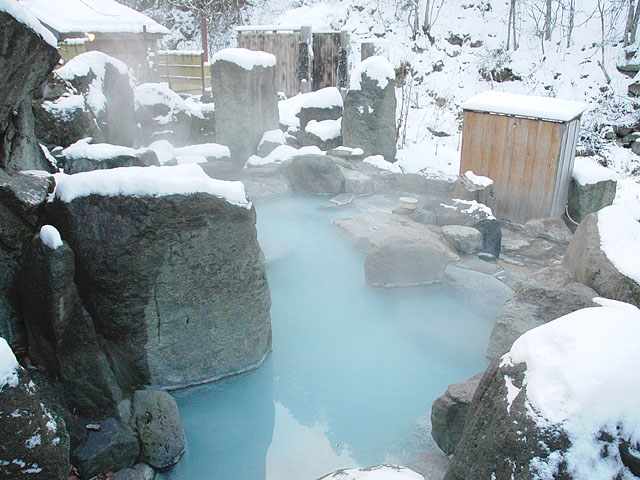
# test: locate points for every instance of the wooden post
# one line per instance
(343, 62)
(304, 67)
(203, 32)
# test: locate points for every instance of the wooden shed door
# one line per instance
(326, 58)
(521, 157)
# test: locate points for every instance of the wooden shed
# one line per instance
(103, 25)
(527, 146)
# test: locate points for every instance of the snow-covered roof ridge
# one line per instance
(25, 16)
(545, 108)
(247, 59)
(147, 181)
(8, 366)
(92, 16)
(377, 68)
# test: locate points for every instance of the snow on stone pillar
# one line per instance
(369, 120)
(245, 95)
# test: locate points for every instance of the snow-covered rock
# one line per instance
(270, 141)
(35, 443)
(105, 84)
(325, 134)
(475, 187)
(592, 188)
(282, 154)
(324, 104)
(378, 472)
(603, 254)
(83, 156)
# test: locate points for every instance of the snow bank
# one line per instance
(378, 161)
(65, 106)
(95, 16)
(587, 171)
(327, 97)
(377, 68)
(281, 154)
(290, 108)
(273, 136)
(326, 129)
(431, 160)
(50, 236)
(147, 181)
(471, 206)
(97, 151)
(620, 239)
(209, 150)
(478, 179)
(547, 108)
(8, 366)
(25, 16)
(578, 376)
(247, 59)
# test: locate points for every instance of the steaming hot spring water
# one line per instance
(354, 369)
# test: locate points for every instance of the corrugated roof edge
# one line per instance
(529, 106)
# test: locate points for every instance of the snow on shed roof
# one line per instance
(546, 108)
(91, 16)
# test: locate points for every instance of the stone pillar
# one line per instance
(246, 99)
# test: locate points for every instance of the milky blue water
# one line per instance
(354, 369)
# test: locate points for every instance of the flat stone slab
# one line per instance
(343, 199)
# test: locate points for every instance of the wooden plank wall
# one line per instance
(326, 58)
(183, 71)
(285, 46)
(520, 155)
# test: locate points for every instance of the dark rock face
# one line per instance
(61, 334)
(500, 438)
(449, 413)
(157, 420)
(25, 61)
(113, 447)
(315, 174)
(246, 106)
(105, 84)
(174, 284)
(589, 198)
(369, 120)
(588, 264)
(22, 199)
(35, 443)
(532, 305)
(318, 114)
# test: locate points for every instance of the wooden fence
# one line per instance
(184, 71)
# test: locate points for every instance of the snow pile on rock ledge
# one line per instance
(577, 375)
(376, 68)
(586, 171)
(247, 59)
(50, 236)
(23, 15)
(147, 181)
(620, 240)
(8, 366)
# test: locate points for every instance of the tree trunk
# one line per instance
(634, 24)
(426, 25)
(572, 14)
(510, 24)
(547, 21)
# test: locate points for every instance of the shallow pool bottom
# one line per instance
(354, 369)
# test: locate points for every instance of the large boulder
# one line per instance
(369, 120)
(449, 413)
(560, 404)
(111, 446)
(463, 239)
(22, 199)
(316, 174)
(168, 265)
(401, 262)
(386, 472)
(246, 99)
(62, 337)
(35, 443)
(27, 54)
(157, 421)
(105, 84)
(603, 254)
(325, 135)
(62, 115)
(323, 104)
(533, 304)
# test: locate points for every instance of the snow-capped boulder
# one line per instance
(22, 199)
(369, 120)
(316, 174)
(83, 156)
(475, 187)
(603, 254)
(324, 104)
(325, 135)
(141, 235)
(163, 115)
(29, 53)
(113, 446)
(157, 420)
(401, 262)
(449, 413)
(62, 115)
(105, 84)
(463, 239)
(35, 443)
(533, 304)
(592, 188)
(559, 404)
(62, 337)
(270, 141)
(377, 472)
(246, 99)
